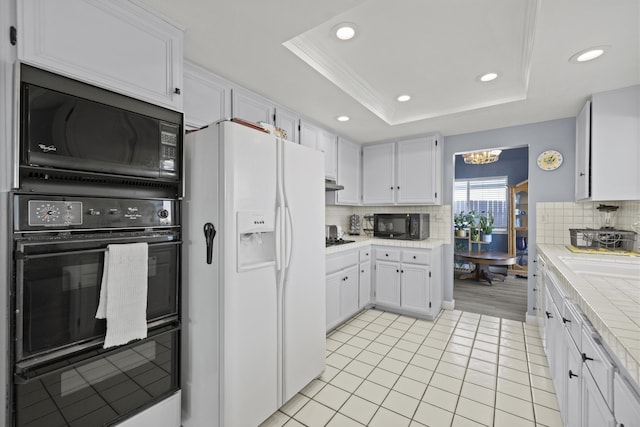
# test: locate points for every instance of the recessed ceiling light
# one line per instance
(345, 31)
(403, 98)
(488, 77)
(343, 118)
(588, 54)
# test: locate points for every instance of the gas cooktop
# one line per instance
(332, 241)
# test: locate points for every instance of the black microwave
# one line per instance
(72, 126)
(410, 226)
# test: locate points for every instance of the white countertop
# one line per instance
(361, 241)
(611, 304)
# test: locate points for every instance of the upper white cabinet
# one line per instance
(405, 172)
(323, 140)
(349, 168)
(207, 97)
(113, 44)
(248, 106)
(607, 148)
(288, 121)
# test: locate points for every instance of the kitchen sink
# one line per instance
(600, 267)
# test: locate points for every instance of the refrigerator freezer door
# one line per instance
(249, 300)
(304, 328)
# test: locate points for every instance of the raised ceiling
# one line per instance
(432, 50)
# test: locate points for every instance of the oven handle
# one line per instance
(21, 256)
(25, 378)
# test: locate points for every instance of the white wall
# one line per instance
(544, 186)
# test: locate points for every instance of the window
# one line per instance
(483, 195)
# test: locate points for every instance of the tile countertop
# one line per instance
(611, 304)
(361, 241)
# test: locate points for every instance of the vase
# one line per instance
(486, 238)
(461, 233)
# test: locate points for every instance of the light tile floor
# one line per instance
(463, 369)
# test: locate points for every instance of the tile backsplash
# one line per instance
(553, 220)
(439, 219)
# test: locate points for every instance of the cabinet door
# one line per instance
(365, 284)
(334, 283)
(378, 174)
(328, 144)
(207, 97)
(116, 45)
(595, 412)
(626, 403)
(414, 287)
(309, 134)
(572, 398)
(349, 292)
(583, 142)
(288, 121)
(417, 174)
(251, 107)
(388, 283)
(348, 172)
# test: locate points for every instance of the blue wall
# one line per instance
(544, 186)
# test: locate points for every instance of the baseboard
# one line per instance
(449, 305)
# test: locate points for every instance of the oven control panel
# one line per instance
(54, 213)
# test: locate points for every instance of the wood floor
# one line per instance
(506, 299)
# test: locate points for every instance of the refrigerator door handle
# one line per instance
(278, 239)
(288, 232)
(209, 235)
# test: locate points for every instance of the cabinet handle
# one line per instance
(367, 254)
(391, 188)
(535, 275)
(177, 91)
(386, 254)
(585, 358)
(549, 316)
(361, 271)
(402, 271)
(581, 173)
(535, 260)
(571, 374)
(565, 320)
(414, 257)
(397, 271)
(398, 187)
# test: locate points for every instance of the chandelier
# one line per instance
(481, 157)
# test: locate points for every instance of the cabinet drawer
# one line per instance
(416, 257)
(388, 254)
(573, 321)
(598, 362)
(365, 255)
(554, 289)
(341, 260)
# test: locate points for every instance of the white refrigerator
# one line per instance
(254, 295)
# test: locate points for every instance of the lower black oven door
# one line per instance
(58, 290)
(99, 387)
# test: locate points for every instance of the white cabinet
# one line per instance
(207, 97)
(288, 121)
(322, 140)
(595, 412)
(626, 403)
(572, 397)
(348, 285)
(607, 149)
(349, 172)
(251, 107)
(378, 174)
(405, 172)
(409, 280)
(114, 44)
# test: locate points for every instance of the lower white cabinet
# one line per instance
(595, 412)
(349, 291)
(626, 405)
(409, 280)
(348, 285)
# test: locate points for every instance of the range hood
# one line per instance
(330, 185)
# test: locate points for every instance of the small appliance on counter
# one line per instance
(409, 226)
(333, 236)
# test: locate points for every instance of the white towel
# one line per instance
(123, 293)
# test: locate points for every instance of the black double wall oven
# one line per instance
(95, 169)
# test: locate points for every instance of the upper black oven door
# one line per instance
(66, 124)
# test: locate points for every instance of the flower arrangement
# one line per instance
(486, 223)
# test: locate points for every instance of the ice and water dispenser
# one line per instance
(256, 240)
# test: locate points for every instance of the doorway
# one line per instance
(484, 202)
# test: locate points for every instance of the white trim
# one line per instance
(449, 305)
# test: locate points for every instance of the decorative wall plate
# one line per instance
(549, 160)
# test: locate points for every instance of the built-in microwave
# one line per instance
(71, 126)
(411, 226)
